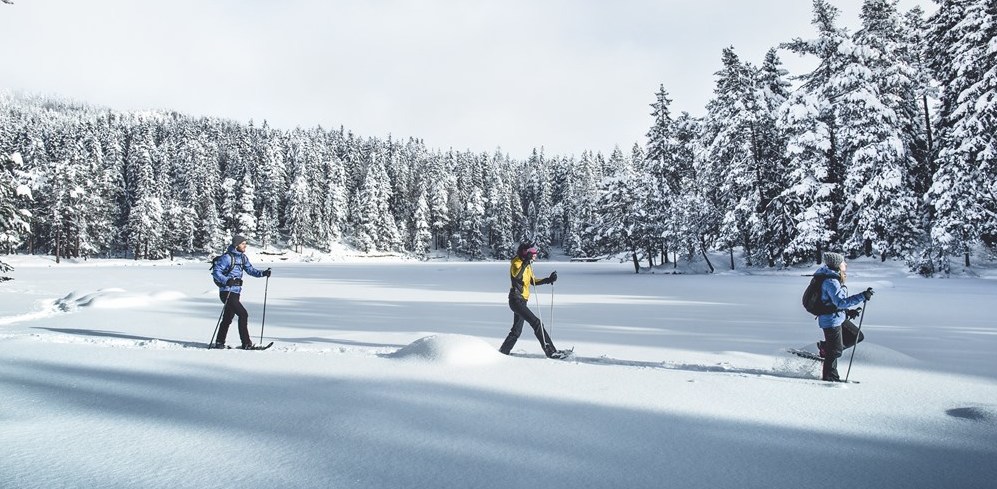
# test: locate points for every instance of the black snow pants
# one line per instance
(522, 313)
(233, 308)
(837, 340)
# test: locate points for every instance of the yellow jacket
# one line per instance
(522, 278)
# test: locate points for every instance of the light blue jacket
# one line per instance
(835, 293)
(241, 263)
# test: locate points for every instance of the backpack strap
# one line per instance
(231, 264)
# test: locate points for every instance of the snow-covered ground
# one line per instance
(385, 374)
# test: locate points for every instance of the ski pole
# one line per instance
(266, 287)
(552, 307)
(212, 340)
(543, 329)
(865, 304)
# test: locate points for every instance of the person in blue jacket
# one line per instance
(227, 272)
(839, 331)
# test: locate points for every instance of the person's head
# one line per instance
(239, 242)
(835, 261)
(527, 251)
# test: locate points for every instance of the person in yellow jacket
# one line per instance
(521, 273)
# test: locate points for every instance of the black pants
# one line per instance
(233, 308)
(521, 312)
(836, 340)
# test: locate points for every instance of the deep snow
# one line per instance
(386, 374)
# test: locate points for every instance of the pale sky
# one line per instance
(517, 74)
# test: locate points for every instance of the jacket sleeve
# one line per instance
(249, 268)
(838, 299)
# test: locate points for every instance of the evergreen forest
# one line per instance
(887, 149)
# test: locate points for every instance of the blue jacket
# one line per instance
(835, 293)
(241, 264)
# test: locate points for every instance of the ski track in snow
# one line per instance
(460, 350)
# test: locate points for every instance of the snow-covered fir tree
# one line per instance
(964, 193)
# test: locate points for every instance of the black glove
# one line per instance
(552, 277)
(853, 313)
(266, 273)
(867, 293)
(237, 282)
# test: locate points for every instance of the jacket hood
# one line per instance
(825, 271)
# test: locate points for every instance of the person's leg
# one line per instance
(227, 298)
(517, 329)
(243, 314)
(522, 309)
(850, 334)
(832, 350)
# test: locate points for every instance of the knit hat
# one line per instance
(833, 260)
(237, 239)
(525, 249)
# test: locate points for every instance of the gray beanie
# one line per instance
(833, 260)
(238, 239)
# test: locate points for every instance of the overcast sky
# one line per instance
(568, 75)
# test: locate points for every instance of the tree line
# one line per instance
(887, 149)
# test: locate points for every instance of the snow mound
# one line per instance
(450, 349)
(113, 298)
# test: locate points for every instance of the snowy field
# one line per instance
(385, 374)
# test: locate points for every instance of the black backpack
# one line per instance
(226, 271)
(812, 297)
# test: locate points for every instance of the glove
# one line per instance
(266, 273)
(853, 313)
(552, 277)
(867, 293)
(237, 282)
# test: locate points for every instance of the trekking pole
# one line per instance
(213, 333)
(865, 304)
(552, 307)
(266, 287)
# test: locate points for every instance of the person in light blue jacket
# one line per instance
(227, 272)
(839, 330)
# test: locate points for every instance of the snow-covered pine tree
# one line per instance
(271, 185)
(964, 193)
(13, 216)
(245, 211)
(422, 237)
(145, 217)
(620, 213)
(769, 229)
(881, 212)
(298, 221)
(732, 160)
(813, 195)
(657, 182)
(374, 226)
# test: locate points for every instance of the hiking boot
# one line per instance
(248, 346)
(217, 346)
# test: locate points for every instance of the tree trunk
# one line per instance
(731, 249)
(633, 254)
(702, 249)
(967, 258)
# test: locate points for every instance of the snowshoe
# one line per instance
(256, 347)
(809, 355)
(218, 346)
(562, 354)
